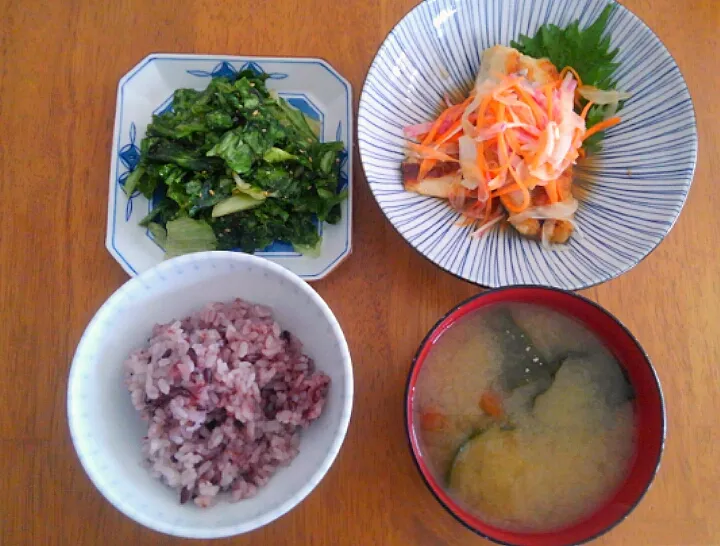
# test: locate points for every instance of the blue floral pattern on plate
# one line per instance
(227, 70)
(129, 156)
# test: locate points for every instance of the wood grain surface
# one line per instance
(60, 62)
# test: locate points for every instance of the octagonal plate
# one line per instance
(311, 85)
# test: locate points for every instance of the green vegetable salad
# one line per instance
(235, 166)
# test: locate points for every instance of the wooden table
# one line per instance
(60, 63)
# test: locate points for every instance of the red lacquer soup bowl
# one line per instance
(648, 403)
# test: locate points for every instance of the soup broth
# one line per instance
(525, 417)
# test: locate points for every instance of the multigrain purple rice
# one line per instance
(226, 392)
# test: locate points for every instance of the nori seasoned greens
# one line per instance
(236, 138)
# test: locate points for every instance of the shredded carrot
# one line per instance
(435, 127)
(432, 420)
(551, 190)
(492, 404)
(601, 126)
(425, 167)
(508, 188)
(480, 160)
(488, 209)
(512, 140)
(537, 112)
(449, 133)
(549, 97)
(502, 151)
(481, 110)
(500, 112)
(451, 113)
(573, 72)
(585, 110)
(509, 203)
(541, 144)
(431, 153)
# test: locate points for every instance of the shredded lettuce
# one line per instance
(235, 203)
(311, 251)
(186, 235)
(240, 161)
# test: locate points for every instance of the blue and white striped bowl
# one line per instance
(630, 194)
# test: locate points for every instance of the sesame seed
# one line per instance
(527, 349)
(527, 370)
(536, 359)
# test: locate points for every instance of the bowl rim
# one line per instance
(453, 509)
(110, 229)
(362, 105)
(84, 453)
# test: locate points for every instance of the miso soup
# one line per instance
(525, 417)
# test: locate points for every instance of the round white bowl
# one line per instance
(107, 431)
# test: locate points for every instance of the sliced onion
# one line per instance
(467, 127)
(563, 210)
(497, 128)
(469, 184)
(569, 84)
(468, 163)
(486, 226)
(481, 91)
(489, 132)
(599, 96)
(444, 126)
(449, 135)
(522, 171)
(547, 231)
(499, 181)
(547, 153)
(456, 197)
(468, 149)
(611, 109)
(414, 131)
(562, 146)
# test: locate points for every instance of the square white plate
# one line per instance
(310, 85)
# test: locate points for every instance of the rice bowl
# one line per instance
(108, 433)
